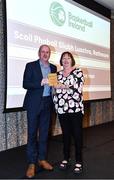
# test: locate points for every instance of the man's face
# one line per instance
(44, 54)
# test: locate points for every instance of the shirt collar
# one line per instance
(42, 64)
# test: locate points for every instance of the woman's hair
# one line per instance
(70, 55)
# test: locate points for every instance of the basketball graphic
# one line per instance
(57, 14)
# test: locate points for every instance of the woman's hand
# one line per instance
(61, 86)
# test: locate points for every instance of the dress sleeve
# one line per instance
(77, 80)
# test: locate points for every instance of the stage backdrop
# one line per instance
(64, 26)
(13, 125)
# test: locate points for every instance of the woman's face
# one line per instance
(66, 61)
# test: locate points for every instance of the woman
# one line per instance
(68, 101)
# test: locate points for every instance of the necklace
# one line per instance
(67, 72)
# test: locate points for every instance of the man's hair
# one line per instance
(40, 48)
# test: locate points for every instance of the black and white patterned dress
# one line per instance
(70, 100)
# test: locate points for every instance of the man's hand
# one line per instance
(44, 81)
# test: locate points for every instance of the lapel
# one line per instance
(51, 67)
(39, 68)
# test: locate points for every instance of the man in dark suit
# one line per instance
(38, 104)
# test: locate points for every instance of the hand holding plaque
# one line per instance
(52, 79)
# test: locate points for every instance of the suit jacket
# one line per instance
(32, 82)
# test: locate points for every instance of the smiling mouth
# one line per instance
(66, 63)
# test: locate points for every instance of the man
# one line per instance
(38, 103)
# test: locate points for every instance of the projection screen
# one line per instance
(65, 26)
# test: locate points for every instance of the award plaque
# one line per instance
(52, 79)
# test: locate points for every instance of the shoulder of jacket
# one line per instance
(32, 62)
(52, 65)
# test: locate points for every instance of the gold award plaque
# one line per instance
(52, 79)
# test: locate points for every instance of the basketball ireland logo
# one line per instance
(57, 14)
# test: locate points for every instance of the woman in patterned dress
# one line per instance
(68, 100)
